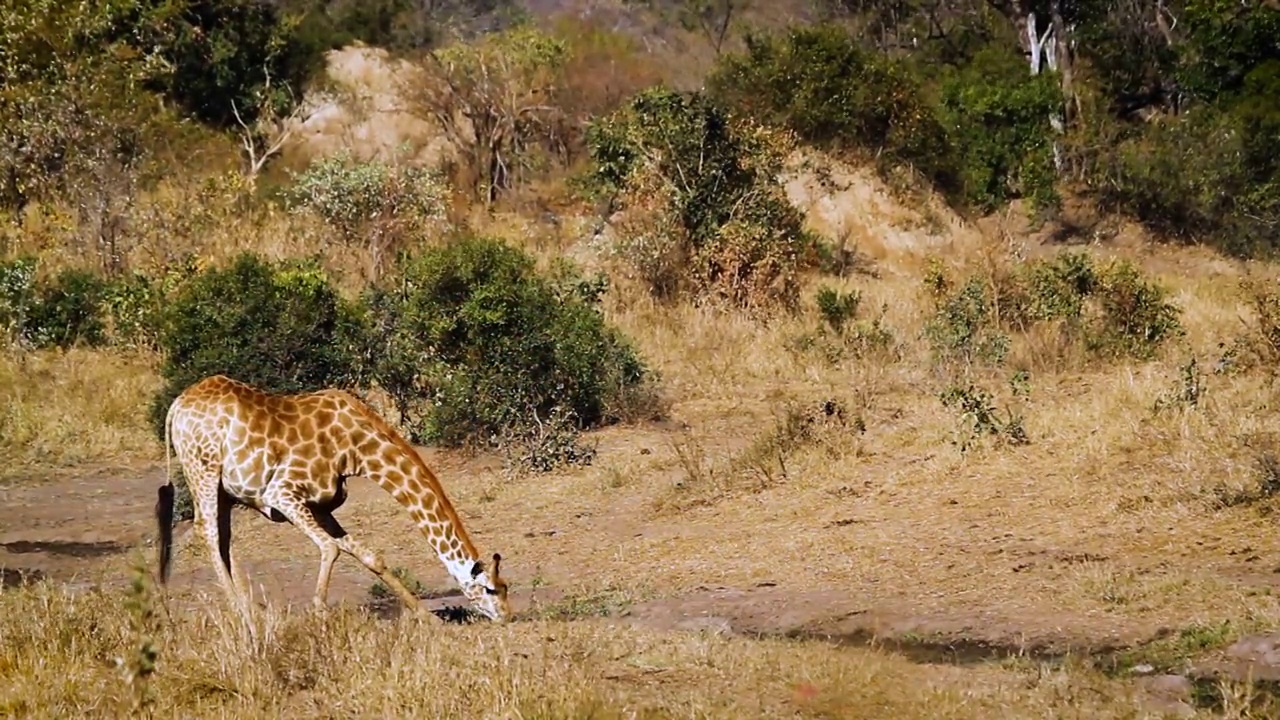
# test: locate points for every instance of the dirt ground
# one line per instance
(85, 530)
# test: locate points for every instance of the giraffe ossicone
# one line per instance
(288, 457)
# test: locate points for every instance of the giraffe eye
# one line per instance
(490, 591)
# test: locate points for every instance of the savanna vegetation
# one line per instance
(736, 294)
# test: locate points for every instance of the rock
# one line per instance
(1251, 658)
(1260, 649)
(1169, 695)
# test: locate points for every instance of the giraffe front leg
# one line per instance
(370, 559)
(301, 517)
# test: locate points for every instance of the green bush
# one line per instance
(211, 56)
(70, 308)
(473, 345)
(381, 205)
(1208, 175)
(822, 84)
(76, 307)
(280, 326)
(706, 211)
(1210, 172)
(998, 115)
(17, 295)
(1112, 310)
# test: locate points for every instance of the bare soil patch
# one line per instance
(86, 531)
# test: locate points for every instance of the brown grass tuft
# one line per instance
(361, 667)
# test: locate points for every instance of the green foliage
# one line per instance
(963, 326)
(1226, 41)
(1210, 174)
(841, 332)
(998, 117)
(708, 213)
(17, 295)
(350, 195)
(69, 309)
(381, 205)
(217, 57)
(494, 99)
(980, 417)
(1111, 311)
(978, 130)
(68, 107)
(823, 85)
(473, 344)
(836, 307)
(280, 326)
(75, 306)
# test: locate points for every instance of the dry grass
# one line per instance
(59, 655)
(63, 409)
(1124, 514)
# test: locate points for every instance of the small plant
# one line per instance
(980, 417)
(544, 445)
(1189, 390)
(767, 457)
(140, 665)
(380, 591)
(837, 308)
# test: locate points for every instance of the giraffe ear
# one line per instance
(496, 559)
(477, 568)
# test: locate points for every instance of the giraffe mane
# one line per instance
(433, 483)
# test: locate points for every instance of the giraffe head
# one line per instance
(487, 591)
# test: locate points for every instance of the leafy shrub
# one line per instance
(980, 416)
(17, 295)
(76, 306)
(1204, 175)
(841, 332)
(822, 84)
(374, 202)
(706, 211)
(69, 309)
(998, 116)
(219, 57)
(1112, 311)
(836, 307)
(963, 326)
(473, 344)
(282, 327)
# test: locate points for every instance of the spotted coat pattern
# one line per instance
(288, 457)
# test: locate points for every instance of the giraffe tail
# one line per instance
(164, 505)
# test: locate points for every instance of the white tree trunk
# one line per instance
(1046, 46)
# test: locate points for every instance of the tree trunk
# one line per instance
(1065, 61)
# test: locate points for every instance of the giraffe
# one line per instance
(288, 457)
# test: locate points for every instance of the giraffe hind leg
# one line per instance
(213, 522)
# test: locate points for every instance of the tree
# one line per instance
(713, 18)
(493, 99)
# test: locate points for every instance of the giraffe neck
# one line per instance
(413, 485)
